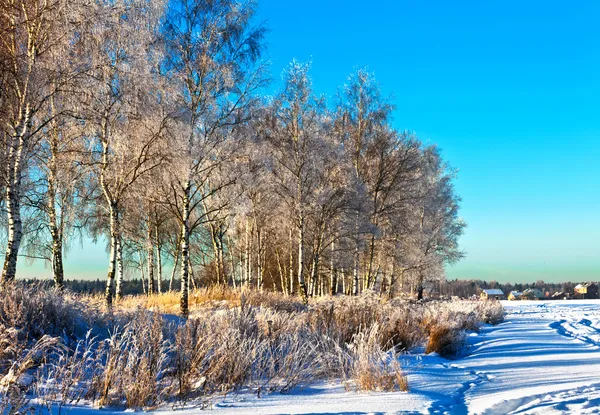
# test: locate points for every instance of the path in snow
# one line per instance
(544, 359)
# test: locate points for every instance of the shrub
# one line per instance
(135, 357)
(491, 312)
(34, 311)
(445, 339)
(372, 369)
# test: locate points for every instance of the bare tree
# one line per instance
(436, 226)
(361, 115)
(294, 131)
(32, 34)
(122, 111)
(211, 51)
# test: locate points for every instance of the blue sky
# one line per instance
(508, 89)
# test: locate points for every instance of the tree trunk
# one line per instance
(401, 279)
(356, 257)
(259, 260)
(301, 281)
(57, 259)
(15, 229)
(247, 255)
(176, 260)
(13, 202)
(355, 271)
(221, 257)
(420, 287)
(159, 264)
(142, 273)
(55, 231)
(317, 288)
(112, 265)
(185, 253)
(232, 261)
(315, 274)
(214, 234)
(191, 276)
(113, 209)
(282, 272)
(291, 286)
(370, 280)
(119, 288)
(332, 272)
(57, 264)
(150, 256)
(392, 288)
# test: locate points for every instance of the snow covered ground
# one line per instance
(544, 359)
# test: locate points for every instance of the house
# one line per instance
(492, 294)
(586, 290)
(532, 294)
(560, 296)
(514, 295)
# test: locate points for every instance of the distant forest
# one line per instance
(450, 288)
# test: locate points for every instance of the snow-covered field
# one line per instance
(544, 359)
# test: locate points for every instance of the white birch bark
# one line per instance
(13, 197)
(185, 253)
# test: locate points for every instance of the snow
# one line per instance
(544, 359)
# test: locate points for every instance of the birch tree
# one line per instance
(123, 114)
(294, 133)
(361, 113)
(436, 225)
(31, 31)
(211, 54)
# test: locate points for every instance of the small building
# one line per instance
(560, 295)
(492, 294)
(532, 294)
(514, 295)
(586, 290)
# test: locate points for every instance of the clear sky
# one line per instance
(510, 92)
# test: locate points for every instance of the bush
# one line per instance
(492, 312)
(445, 339)
(135, 358)
(372, 369)
(34, 311)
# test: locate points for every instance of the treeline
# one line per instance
(437, 289)
(469, 288)
(143, 123)
(134, 286)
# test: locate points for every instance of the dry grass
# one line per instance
(134, 357)
(445, 339)
(374, 369)
(217, 296)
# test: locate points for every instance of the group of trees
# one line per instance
(143, 123)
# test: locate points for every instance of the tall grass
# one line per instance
(65, 348)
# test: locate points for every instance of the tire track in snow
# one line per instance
(571, 329)
(582, 400)
(458, 402)
(544, 359)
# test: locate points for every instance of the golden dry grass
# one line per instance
(217, 296)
